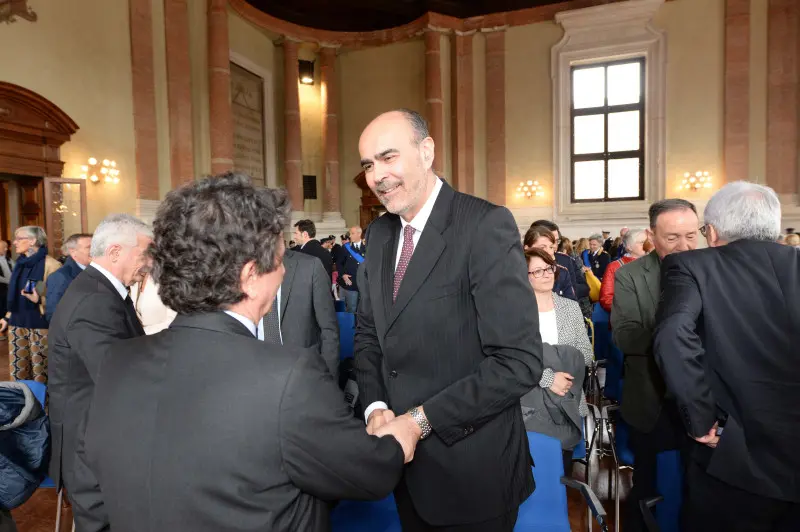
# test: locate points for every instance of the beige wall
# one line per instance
(311, 130)
(758, 90)
(77, 55)
(373, 81)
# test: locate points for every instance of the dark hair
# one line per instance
(345, 237)
(535, 233)
(307, 226)
(660, 207)
(417, 122)
(565, 246)
(545, 256)
(206, 231)
(552, 226)
(72, 241)
(8, 249)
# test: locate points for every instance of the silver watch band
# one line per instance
(422, 421)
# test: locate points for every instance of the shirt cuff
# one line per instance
(547, 380)
(374, 406)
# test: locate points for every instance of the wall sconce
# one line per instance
(306, 69)
(96, 171)
(696, 182)
(529, 189)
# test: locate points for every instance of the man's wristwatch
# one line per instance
(422, 421)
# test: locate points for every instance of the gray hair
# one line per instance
(668, 205)
(35, 232)
(72, 242)
(630, 237)
(598, 237)
(418, 124)
(118, 229)
(744, 211)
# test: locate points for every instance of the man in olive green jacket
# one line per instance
(654, 424)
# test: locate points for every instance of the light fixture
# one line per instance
(306, 70)
(696, 181)
(530, 189)
(95, 171)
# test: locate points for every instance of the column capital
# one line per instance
(496, 29)
(469, 33)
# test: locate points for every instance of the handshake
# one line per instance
(403, 428)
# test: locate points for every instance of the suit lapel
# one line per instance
(653, 277)
(286, 286)
(430, 247)
(387, 260)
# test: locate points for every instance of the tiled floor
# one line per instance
(38, 514)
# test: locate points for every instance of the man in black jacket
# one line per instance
(727, 345)
(202, 427)
(304, 234)
(350, 258)
(95, 311)
(446, 336)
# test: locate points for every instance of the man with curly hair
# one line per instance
(202, 427)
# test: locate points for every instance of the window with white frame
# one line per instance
(608, 122)
(609, 105)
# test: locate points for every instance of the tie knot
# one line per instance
(408, 232)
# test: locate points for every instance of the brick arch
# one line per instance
(32, 131)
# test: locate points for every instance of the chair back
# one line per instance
(38, 389)
(546, 509)
(347, 332)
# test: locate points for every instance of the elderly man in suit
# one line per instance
(197, 428)
(654, 421)
(732, 364)
(95, 311)
(302, 314)
(78, 248)
(446, 339)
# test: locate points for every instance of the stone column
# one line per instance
(219, 88)
(332, 211)
(782, 98)
(496, 117)
(737, 90)
(463, 127)
(434, 105)
(293, 151)
(179, 91)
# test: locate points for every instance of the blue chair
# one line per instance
(546, 509)
(362, 516)
(338, 305)
(669, 481)
(39, 391)
(347, 331)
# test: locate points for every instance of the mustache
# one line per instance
(387, 184)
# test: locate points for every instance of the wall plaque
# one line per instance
(247, 102)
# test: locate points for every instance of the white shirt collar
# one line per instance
(424, 213)
(121, 288)
(81, 266)
(243, 320)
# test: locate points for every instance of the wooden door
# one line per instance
(65, 210)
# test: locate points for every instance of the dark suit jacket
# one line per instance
(57, 284)
(315, 249)
(89, 318)
(348, 265)
(462, 339)
(194, 429)
(728, 344)
(308, 317)
(599, 263)
(637, 288)
(575, 274)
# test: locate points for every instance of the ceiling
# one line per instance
(370, 15)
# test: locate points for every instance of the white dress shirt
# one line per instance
(418, 223)
(548, 327)
(261, 321)
(121, 288)
(243, 320)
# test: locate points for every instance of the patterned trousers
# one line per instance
(27, 353)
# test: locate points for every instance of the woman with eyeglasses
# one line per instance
(560, 323)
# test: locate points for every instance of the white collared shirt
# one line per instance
(243, 320)
(261, 321)
(121, 288)
(418, 223)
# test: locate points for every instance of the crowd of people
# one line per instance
(193, 366)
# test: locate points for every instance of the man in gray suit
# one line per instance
(303, 314)
(655, 424)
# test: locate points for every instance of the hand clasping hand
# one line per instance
(562, 382)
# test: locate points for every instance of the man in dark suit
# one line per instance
(303, 314)
(201, 427)
(727, 345)
(78, 248)
(304, 233)
(654, 422)
(350, 259)
(598, 257)
(447, 336)
(95, 311)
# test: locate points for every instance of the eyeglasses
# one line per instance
(704, 230)
(539, 272)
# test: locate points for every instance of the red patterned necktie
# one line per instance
(405, 258)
